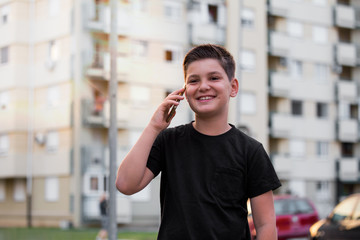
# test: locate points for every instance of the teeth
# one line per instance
(205, 98)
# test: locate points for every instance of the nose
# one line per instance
(204, 85)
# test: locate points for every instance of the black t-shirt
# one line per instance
(206, 182)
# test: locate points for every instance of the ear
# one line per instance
(234, 87)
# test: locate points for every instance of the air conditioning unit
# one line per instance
(40, 138)
(50, 64)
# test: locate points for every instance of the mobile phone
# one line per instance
(173, 107)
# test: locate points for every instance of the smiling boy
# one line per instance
(209, 168)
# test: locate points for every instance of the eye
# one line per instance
(192, 80)
(214, 78)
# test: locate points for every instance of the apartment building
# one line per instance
(297, 66)
(313, 97)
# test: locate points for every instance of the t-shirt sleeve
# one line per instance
(154, 162)
(261, 175)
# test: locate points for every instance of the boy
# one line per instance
(209, 168)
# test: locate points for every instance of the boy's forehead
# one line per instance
(207, 64)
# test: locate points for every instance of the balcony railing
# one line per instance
(303, 11)
(13, 165)
(348, 130)
(347, 90)
(345, 16)
(289, 126)
(349, 169)
(100, 116)
(282, 84)
(347, 54)
(289, 167)
(283, 45)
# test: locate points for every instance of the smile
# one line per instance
(205, 98)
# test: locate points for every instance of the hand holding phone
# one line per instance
(173, 107)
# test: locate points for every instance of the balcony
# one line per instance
(348, 169)
(207, 32)
(347, 91)
(283, 45)
(347, 54)
(138, 26)
(307, 167)
(282, 84)
(91, 209)
(52, 163)
(288, 126)
(101, 117)
(100, 67)
(345, 16)
(302, 11)
(13, 165)
(14, 119)
(348, 130)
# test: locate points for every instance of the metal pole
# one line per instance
(113, 122)
(30, 133)
(238, 97)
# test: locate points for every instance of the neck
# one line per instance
(211, 127)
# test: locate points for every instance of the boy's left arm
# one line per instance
(262, 208)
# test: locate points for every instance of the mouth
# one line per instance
(205, 98)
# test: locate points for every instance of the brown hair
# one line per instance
(213, 51)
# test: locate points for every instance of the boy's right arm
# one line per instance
(133, 175)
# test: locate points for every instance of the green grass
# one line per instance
(58, 234)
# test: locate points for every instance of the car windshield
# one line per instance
(292, 206)
(344, 209)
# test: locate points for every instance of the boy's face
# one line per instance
(208, 89)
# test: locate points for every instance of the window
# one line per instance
(322, 149)
(4, 15)
(322, 190)
(247, 60)
(140, 49)
(295, 29)
(139, 6)
(320, 2)
(2, 190)
(53, 97)
(247, 18)
(247, 103)
(297, 148)
(94, 183)
(52, 141)
(19, 190)
(320, 34)
(53, 54)
(347, 149)
(140, 96)
(172, 54)
(4, 55)
(172, 11)
(4, 100)
(51, 189)
(321, 110)
(344, 209)
(296, 69)
(213, 13)
(296, 108)
(53, 7)
(321, 72)
(4, 144)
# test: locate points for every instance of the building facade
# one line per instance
(299, 96)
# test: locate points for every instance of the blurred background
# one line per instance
(298, 63)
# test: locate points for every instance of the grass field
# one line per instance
(58, 234)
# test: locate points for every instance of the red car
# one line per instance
(294, 216)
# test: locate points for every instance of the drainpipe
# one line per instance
(30, 139)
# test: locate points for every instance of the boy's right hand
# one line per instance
(158, 120)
